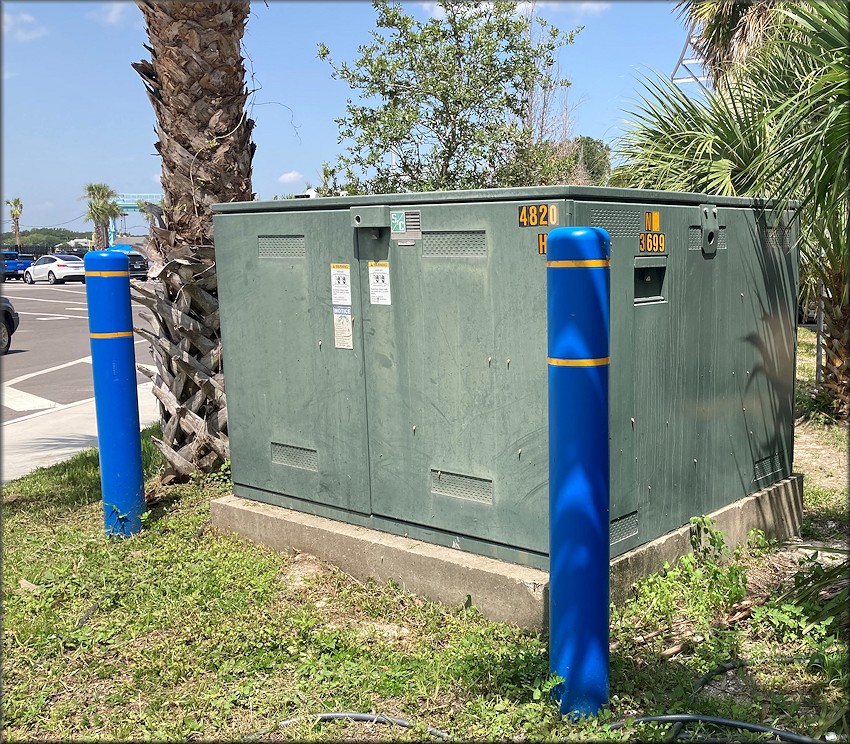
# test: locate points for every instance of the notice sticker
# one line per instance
(343, 337)
(340, 284)
(379, 282)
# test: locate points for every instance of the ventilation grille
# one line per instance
(777, 239)
(623, 527)
(462, 486)
(618, 223)
(454, 244)
(295, 457)
(767, 466)
(694, 238)
(282, 246)
(413, 221)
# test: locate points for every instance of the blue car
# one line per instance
(138, 264)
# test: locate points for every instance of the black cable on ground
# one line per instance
(351, 716)
(737, 664)
(676, 729)
(678, 719)
(724, 722)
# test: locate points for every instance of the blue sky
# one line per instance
(75, 112)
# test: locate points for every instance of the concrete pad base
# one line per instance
(501, 591)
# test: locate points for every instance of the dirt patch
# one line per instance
(300, 569)
(822, 464)
(774, 573)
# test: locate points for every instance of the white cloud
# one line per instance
(585, 8)
(435, 10)
(22, 26)
(432, 9)
(111, 14)
(290, 177)
(576, 8)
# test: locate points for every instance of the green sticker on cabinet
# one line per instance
(397, 222)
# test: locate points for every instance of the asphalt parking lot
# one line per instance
(49, 364)
(47, 385)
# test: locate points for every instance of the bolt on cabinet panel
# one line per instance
(428, 416)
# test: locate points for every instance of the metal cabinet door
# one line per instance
(456, 375)
(646, 395)
(297, 403)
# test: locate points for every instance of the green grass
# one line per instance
(811, 403)
(181, 632)
(825, 513)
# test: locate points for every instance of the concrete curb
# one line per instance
(501, 591)
(46, 437)
(778, 510)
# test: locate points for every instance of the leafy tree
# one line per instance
(16, 207)
(42, 239)
(775, 126)
(196, 84)
(101, 208)
(582, 160)
(595, 156)
(446, 103)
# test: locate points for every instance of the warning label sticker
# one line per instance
(379, 283)
(343, 337)
(340, 284)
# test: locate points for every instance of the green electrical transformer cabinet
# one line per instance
(386, 364)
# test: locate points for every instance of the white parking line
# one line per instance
(47, 370)
(52, 316)
(44, 299)
(30, 375)
(51, 410)
(19, 400)
(72, 291)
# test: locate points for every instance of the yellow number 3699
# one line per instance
(652, 243)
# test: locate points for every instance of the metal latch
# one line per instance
(710, 228)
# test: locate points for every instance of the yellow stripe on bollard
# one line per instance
(589, 263)
(579, 362)
(117, 334)
(107, 273)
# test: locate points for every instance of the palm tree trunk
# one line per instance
(100, 241)
(836, 345)
(195, 81)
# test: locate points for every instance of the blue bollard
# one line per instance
(114, 368)
(578, 298)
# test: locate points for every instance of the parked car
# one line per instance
(56, 269)
(15, 264)
(9, 324)
(138, 263)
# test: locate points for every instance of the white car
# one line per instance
(55, 269)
